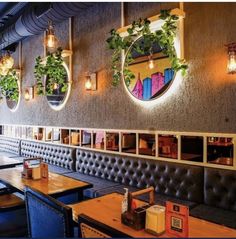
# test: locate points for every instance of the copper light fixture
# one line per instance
(91, 82)
(6, 63)
(231, 66)
(50, 40)
(150, 63)
(29, 93)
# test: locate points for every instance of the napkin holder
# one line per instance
(135, 217)
(31, 168)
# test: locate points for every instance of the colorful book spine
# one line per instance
(157, 82)
(138, 89)
(147, 88)
(169, 74)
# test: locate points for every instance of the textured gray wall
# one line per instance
(204, 100)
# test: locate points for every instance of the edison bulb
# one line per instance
(51, 41)
(55, 86)
(27, 96)
(88, 84)
(151, 64)
(231, 63)
(8, 61)
(3, 70)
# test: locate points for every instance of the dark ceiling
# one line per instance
(19, 20)
(9, 12)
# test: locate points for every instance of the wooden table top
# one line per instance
(107, 209)
(6, 161)
(55, 184)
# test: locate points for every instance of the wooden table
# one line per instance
(55, 185)
(6, 162)
(107, 209)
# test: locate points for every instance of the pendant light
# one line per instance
(50, 40)
(150, 63)
(3, 69)
(8, 61)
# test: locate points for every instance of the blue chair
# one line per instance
(13, 221)
(46, 216)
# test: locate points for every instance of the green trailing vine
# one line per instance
(53, 71)
(141, 28)
(9, 85)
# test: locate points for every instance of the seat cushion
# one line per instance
(98, 183)
(159, 198)
(17, 157)
(61, 156)
(13, 223)
(220, 188)
(59, 170)
(214, 214)
(181, 181)
(10, 145)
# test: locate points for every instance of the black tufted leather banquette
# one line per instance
(172, 179)
(10, 145)
(220, 188)
(51, 154)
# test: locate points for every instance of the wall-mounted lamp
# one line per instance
(91, 82)
(50, 40)
(29, 93)
(231, 66)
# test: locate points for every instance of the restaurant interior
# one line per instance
(117, 119)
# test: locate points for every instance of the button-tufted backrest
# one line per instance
(52, 154)
(220, 188)
(10, 145)
(172, 179)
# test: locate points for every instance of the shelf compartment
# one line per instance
(65, 136)
(220, 150)
(147, 144)
(168, 146)
(98, 139)
(192, 148)
(29, 132)
(112, 141)
(48, 134)
(86, 138)
(56, 135)
(75, 137)
(128, 143)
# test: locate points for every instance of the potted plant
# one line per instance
(141, 28)
(50, 73)
(9, 85)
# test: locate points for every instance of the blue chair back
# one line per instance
(46, 216)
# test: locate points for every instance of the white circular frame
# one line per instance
(124, 55)
(62, 105)
(19, 98)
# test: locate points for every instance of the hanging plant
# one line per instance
(9, 85)
(50, 73)
(141, 28)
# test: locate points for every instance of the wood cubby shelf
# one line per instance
(205, 149)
